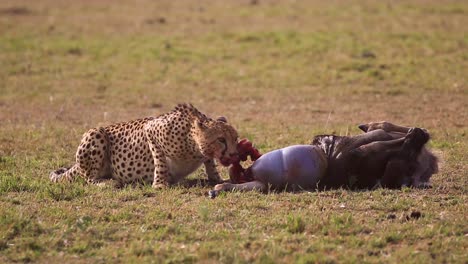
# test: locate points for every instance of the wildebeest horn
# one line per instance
(363, 127)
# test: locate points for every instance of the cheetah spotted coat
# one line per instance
(159, 150)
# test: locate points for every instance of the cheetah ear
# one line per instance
(222, 119)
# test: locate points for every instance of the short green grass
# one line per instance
(281, 72)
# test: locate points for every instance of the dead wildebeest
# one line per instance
(386, 155)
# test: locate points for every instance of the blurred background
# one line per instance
(313, 64)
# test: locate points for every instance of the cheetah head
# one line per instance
(216, 139)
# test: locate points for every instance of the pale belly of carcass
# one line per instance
(302, 165)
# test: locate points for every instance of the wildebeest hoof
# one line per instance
(417, 136)
(212, 194)
(222, 186)
(364, 127)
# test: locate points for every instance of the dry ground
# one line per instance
(281, 71)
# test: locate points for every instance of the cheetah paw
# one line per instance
(56, 175)
(159, 186)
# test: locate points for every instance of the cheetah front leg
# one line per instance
(161, 170)
(212, 172)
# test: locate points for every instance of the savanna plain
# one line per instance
(281, 72)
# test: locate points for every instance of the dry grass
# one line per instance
(281, 72)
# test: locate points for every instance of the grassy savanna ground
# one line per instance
(281, 71)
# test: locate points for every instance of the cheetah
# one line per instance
(160, 150)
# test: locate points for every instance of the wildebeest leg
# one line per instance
(385, 126)
(366, 164)
(346, 153)
(248, 186)
(380, 146)
(378, 135)
(426, 161)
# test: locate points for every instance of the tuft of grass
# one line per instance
(295, 224)
(64, 192)
(14, 183)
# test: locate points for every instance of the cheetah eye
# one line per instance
(222, 140)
